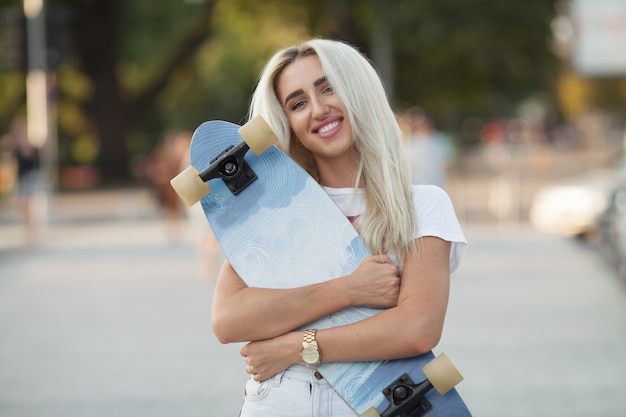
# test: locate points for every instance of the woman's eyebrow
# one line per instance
(292, 95)
(296, 93)
(320, 81)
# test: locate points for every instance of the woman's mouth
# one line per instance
(329, 127)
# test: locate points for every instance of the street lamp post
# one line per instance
(41, 132)
(36, 79)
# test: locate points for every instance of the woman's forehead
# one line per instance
(303, 73)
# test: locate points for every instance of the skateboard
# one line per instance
(279, 229)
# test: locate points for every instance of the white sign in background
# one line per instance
(599, 47)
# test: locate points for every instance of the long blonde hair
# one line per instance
(383, 170)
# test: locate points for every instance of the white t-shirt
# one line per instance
(434, 214)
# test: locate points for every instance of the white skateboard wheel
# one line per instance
(442, 374)
(258, 135)
(189, 186)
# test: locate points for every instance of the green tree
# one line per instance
(476, 55)
(150, 68)
(111, 62)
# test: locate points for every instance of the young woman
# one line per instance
(327, 104)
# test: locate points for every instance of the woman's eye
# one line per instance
(296, 105)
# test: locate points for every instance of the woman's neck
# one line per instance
(336, 176)
(337, 173)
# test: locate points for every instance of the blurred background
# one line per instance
(517, 109)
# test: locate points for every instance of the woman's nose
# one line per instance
(320, 107)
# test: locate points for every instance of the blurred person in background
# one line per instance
(164, 163)
(29, 181)
(430, 150)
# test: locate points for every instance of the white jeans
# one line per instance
(296, 392)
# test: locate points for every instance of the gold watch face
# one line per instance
(310, 355)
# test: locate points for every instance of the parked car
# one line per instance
(574, 207)
(613, 228)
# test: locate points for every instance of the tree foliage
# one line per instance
(130, 70)
(473, 53)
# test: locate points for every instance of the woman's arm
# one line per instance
(241, 313)
(412, 327)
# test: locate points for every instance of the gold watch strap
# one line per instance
(309, 336)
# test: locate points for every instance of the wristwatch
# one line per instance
(310, 353)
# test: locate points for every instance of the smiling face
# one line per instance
(316, 115)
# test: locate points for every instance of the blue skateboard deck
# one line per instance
(284, 231)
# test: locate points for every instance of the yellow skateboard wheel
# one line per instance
(442, 374)
(370, 412)
(258, 135)
(189, 187)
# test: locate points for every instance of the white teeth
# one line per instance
(329, 127)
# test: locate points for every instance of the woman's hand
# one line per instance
(266, 358)
(375, 283)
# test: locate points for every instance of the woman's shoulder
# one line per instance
(435, 212)
(436, 216)
(429, 195)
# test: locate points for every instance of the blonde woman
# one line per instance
(328, 106)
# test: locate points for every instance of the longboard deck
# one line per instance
(284, 231)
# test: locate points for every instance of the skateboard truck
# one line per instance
(407, 399)
(230, 165)
(232, 168)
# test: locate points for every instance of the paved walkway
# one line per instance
(538, 326)
(107, 316)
